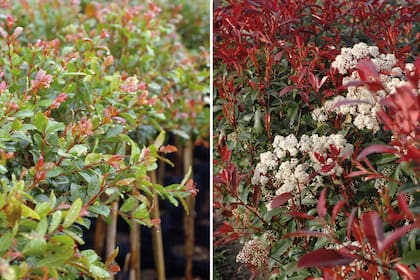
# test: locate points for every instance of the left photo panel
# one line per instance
(104, 139)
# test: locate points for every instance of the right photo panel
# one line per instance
(316, 139)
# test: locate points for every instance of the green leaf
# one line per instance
(54, 172)
(36, 245)
(73, 213)
(78, 150)
(409, 188)
(181, 133)
(5, 242)
(99, 272)
(99, 209)
(53, 127)
(135, 151)
(29, 213)
(160, 139)
(128, 205)
(40, 122)
(141, 212)
(42, 226)
(55, 221)
(92, 158)
(411, 258)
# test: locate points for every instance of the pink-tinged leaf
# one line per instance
(394, 236)
(225, 228)
(301, 215)
(373, 229)
(322, 204)
(328, 167)
(336, 209)
(280, 200)
(404, 271)
(367, 71)
(350, 223)
(357, 173)
(256, 196)
(377, 148)
(314, 81)
(347, 102)
(323, 258)
(286, 90)
(402, 204)
(417, 276)
(323, 80)
(353, 84)
(306, 233)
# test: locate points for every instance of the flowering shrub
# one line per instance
(75, 86)
(316, 137)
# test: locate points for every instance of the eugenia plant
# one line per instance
(77, 80)
(316, 132)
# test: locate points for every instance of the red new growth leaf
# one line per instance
(373, 229)
(377, 148)
(168, 149)
(336, 209)
(323, 258)
(322, 204)
(369, 74)
(280, 200)
(394, 236)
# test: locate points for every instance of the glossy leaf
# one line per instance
(324, 258)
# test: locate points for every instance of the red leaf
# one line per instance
(322, 204)
(225, 228)
(373, 229)
(394, 236)
(306, 233)
(402, 204)
(404, 271)
(377, 148)
(301, 215)
(280, 200)
(323, 258)
(336, 209)
(285, 90)
(168, 149)
(257, 196)
(367, 71)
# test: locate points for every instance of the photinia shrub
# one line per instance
(77, 82)
(316, 137)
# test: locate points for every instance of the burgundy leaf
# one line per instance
(394, 236)
(286, 90)
(257, 195)
(350, 223)
(404, 271)
(301, 215)
(377, 148)
(306, 233)
(280, 200)
(336, 209)
(373, 229)
(323, 258)
(322, 204)
(367, 71)
(402, 204)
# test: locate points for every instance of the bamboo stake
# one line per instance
(157, 235)
(111, 231)
(189, 218)
(99, 241)
(134, 273)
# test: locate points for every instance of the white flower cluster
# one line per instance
(256, 251)
(288, 167)
(359, 102)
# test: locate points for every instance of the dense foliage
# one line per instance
(316, 120)
(88, 92)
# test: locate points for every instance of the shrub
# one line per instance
(310, 163)
(76, 81)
